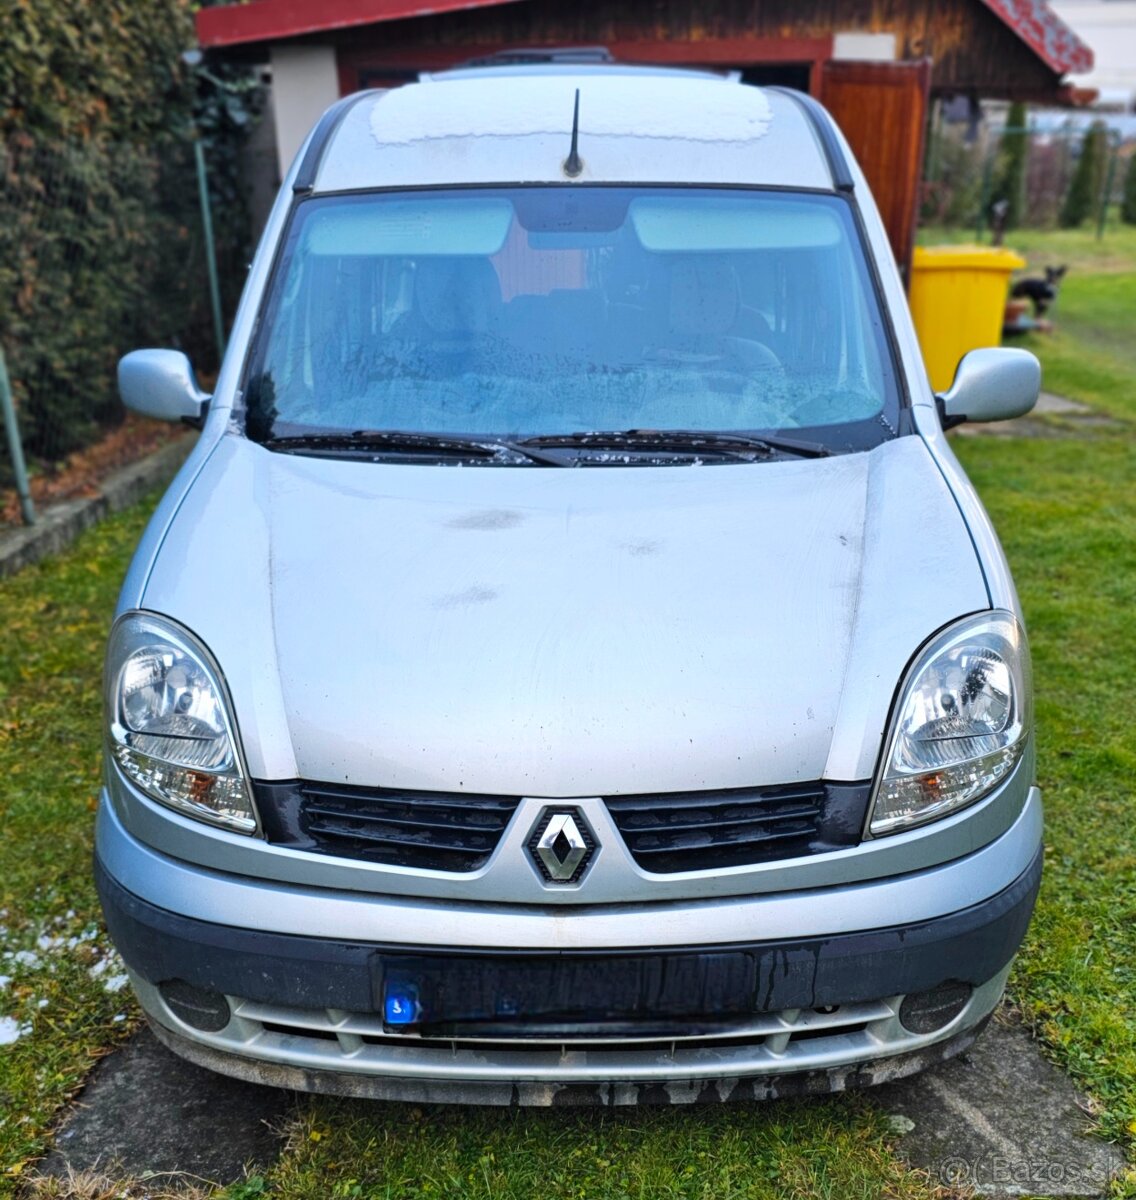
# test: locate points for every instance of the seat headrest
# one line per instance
(456, 295)
(704, 296)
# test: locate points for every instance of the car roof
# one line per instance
(514, 125)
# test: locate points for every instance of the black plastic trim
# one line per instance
(947, 422)
(432, 831)
(330, 121)
(457, 832)
(968, 946)
(821, 122)
(710, 830)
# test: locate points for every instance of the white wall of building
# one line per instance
(304, 83)
(1109, 28)
(864, 47)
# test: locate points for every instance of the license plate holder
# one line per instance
(447, 994)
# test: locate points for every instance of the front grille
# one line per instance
(665, 832)
(432, 831)
(699, 831)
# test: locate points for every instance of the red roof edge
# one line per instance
(1077, 97)
(1045, 33)
(277, 20)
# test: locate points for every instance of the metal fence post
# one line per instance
(984, 199)
(210, 249)
(1106, 194)
(15, 446)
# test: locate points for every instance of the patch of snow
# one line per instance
(696, 110)
(110, 971)
(11, 1031)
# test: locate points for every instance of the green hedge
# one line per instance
(1085, 187)
(1128, 202)
(1010, 183)
(100, 245)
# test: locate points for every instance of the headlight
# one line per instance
(960, 723)
(169, 727)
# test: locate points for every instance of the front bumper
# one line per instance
(306, 1004)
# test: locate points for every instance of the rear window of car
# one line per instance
(558, 310)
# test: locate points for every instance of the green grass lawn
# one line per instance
(62, 995)
(1091, 355)
(1066, 513)
(1066, 510)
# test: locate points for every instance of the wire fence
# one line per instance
(101, 250)
(1042, 175)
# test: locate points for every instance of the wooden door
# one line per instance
(882, 109)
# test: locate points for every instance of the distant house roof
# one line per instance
(1045, 34)
(277, 20)
(266, 21)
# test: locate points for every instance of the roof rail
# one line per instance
(321, 135)
(821, 122)
(535, 55)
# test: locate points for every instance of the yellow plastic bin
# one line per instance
(958, 300)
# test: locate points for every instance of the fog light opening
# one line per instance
(199, 1009)
(926, 1012)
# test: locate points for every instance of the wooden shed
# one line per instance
(874, 63)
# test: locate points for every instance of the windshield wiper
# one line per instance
(401, 441)
(686, 442)
(680, 441)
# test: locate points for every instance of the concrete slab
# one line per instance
(1033, 424)
(1048, 403)
(60, 524)
(999, 1119)
(146, 1110)
(1002, 1120)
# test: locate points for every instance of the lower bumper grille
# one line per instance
(775, 1032)
(353, 1054)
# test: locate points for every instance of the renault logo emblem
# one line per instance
(562, 845)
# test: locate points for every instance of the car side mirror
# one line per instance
(994, 384)
(161, 383)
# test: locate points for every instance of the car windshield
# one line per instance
(551, 312)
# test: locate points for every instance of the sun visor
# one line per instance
(411, 228)
(692, 224)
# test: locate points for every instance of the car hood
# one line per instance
(544, 632)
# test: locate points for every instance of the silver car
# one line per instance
(572, 664)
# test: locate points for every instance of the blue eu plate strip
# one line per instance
(400, 1004)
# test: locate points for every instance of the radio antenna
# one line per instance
(573, 164)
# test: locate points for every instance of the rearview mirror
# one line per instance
(991, 385)
(161, 383)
